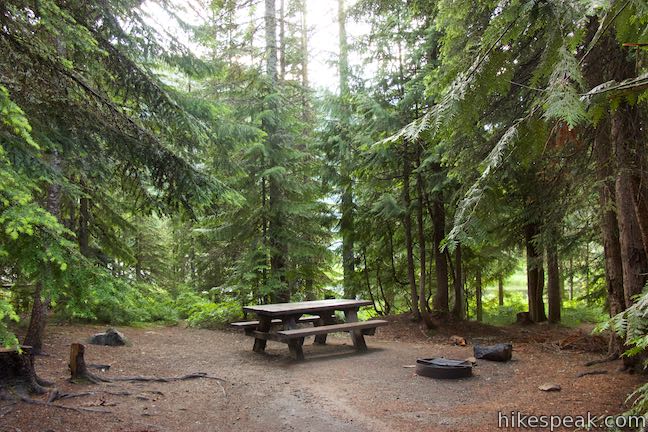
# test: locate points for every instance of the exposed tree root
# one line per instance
(607, 359)
(594, 372)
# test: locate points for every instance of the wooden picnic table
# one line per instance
(288, 315)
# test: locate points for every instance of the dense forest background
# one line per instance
(476, 160)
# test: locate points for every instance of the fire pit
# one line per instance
(443, 368)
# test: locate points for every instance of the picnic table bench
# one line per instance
(322, 315)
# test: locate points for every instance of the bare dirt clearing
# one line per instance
(334, 389)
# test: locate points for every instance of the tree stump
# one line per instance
(17, 372)
(78, 368)
(523, 318)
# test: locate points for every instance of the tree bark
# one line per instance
(347, 209)
(500, 290)
(609, 228)
(633, 255)
(458, 311)
(595, 75)
(423, 305)
(441, 303)
(79, 372)
(278, 247)
(17, 371)
(553, 284)
(535, 275)
(478, 295)
(407, 227)
(84, 218)
(42, 301)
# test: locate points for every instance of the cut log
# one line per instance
(78, 369)
(500, 352)
(17, 372)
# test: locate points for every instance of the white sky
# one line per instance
(323, 41)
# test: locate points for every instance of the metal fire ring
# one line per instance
(443, 368)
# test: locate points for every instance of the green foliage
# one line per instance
(7, 314)
(95, 295)
(563, 101)
(631, 325)
(214, 315)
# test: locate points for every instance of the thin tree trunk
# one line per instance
(306, 105)
(282, 40)
(500, 290)
(458, 310)
(82, 234)
(386, 301)
(278, 247)
(441, 304)
(553, 285)
(365, 271)
(588, 299)
(407, 226)
(478, 294)
(347, 210)
(571, 276)
(423, 305)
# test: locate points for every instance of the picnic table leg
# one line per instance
(356, 335)
(325, 319)
(294, 345)
(265, 323)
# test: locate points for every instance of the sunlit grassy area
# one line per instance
(574, 312)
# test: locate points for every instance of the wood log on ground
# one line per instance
(78, 369)
(17, 373)
(501, 352)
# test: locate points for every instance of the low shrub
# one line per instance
(213, 315)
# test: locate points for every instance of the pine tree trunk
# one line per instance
(609, 229)
(633, 255)
(282, 40)
(553, 284)
(441, 303)
(18, 375)
(407, 226)
(41, 303)
(347, 210)
(458, 311)
(500, 290)
(535, 276)
(603, 53)
(37, 321)
(478, 295)
(278, 245)
(84, 218)
(423, 305)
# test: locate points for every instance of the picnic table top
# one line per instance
(282, 309)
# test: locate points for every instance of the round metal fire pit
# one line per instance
(443, 368)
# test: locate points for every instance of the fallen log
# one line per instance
(500, 352)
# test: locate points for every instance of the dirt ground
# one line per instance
(335, 389)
